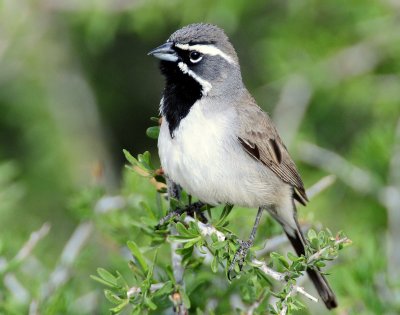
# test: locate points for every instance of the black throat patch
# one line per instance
(180, 93)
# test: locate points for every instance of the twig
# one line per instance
(206, 229)
(136, 290)
(109, 203)
(262, 266)
(319, 253)
(280, 277)
(320, 186)
(34, 239)
(291, 292)
(391, 199)
(293, 102)
(62, 272)
(357, 178)
(10, 281)
(28, 247)
(256, 304)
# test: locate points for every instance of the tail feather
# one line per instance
(298, 241)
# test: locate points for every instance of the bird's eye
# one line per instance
(195, 56)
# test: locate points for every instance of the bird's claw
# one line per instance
(239, 257)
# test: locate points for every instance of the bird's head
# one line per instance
(200, 54)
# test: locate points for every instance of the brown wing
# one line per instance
(260, 139)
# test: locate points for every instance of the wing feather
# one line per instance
(260, 139)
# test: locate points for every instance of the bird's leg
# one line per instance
(191, 209)
(174, 191)
(244, 247)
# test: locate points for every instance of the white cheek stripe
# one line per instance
(206, 86)
(207, 50)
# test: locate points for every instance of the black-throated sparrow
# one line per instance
(218, 144)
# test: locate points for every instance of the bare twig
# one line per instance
(289, 112)
(109, 203)
(62, 272)
(320, 186)
(391, 199)
(357, 178)
(10, 280)
(27, 248)
(17, 290)
(34, 238)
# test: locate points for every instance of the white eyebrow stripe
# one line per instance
(207, 50)
(206, 86)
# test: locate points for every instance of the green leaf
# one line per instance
(112, 297)
(145, 160)
(181, 229)
(218, 245)
(138, 255)
(129, 157)
(185, 298)
(150, 303)
(119, 308)
(292, 256)
(165, 290)
(311, 234)
(182, 239)
(102, 281)
(107, 276)
(214, 264)
(153, 132)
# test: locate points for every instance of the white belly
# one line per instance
(206, 159)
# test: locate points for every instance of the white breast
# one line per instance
(206, 159)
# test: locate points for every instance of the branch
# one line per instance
(320, 186)
(260, 265)
(319, 253)
(33, 240)
(206, 229)
(71, 250)
(293, 102)
(28, 247)
(391, 199)
(360, 180)
(281, 278)
(291, 292)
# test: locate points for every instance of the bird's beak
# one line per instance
(165, 52)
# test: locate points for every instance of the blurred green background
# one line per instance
(77, 86)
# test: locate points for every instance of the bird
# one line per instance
(216, 142)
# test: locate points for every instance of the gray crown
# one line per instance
(205, 34)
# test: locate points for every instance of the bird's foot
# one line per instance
(191, 209)
(239, 257)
